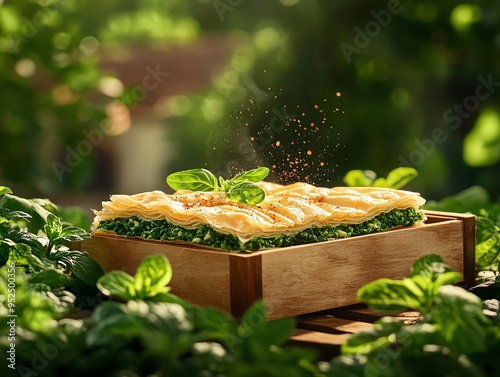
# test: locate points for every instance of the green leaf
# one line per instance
(247, 193)
(429, 266)
(366, 341)
(73, 234)
(53, 227)
(5, 190)
(255, 316)
(254, 175)
(85, 268)
(359, 178)
(118, 284)
(397, 178)
(392, 295)
(22, 256)
(472, 199)
(15, 215)
(36, 211)
(485, 229)
(487, 243)
(152, 276)
(54, 278)
(459, 314)
(47, 204)
(194, 180)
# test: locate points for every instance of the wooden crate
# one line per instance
(298, 279)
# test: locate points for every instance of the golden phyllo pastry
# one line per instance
(290, 214)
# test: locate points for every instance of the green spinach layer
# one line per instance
(207, 236)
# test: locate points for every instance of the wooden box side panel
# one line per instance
(327, 275)
(198, 276)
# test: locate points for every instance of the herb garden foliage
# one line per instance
(36, 241)
(459, 334)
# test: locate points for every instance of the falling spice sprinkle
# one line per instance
(302, 164)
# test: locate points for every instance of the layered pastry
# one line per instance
(294, 214)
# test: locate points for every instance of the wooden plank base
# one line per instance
(326, 332)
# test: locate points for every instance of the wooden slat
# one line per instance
(246, 282)
(469, 232)
(332, 325)
(327, 346)
(325, 334)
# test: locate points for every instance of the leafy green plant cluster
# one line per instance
(240, 189)
(36, 241)
(458, 335)
(476, 200)
(148, 332)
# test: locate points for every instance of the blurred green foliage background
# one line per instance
(311, 88)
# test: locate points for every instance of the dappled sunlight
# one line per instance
(482, 144)
(464, 15)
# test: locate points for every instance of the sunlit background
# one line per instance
(109, 96)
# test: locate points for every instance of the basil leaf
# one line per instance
(53, 227)
(247, 193)
(118, 284)
(79, 264)
(152, 276)
(397, 178)
(14, 215)
(459, 315)
(194, 180)
(54, 278)
(35, 210)
(254, 175)
(86, 269)
(5, 190)
(73, 234)
(392, 295)
(430, 266)
(359, 178)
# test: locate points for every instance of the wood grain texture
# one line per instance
(329, 274)
(199, 276)
(246, 282)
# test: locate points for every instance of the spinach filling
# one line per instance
(207, 236)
